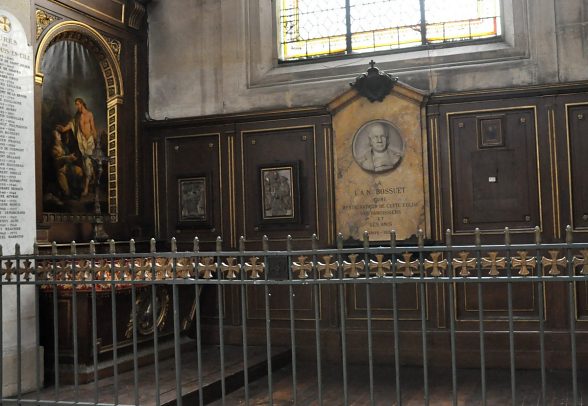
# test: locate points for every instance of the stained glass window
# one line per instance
(311, 28)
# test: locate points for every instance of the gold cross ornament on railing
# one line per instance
(407, 265)
(494, 263)
(231, 267)
(435, 264)
(380, 265)
(353, 268)
(582, 261)
(328, 267)
(184, 268)
(8, 270)
(554, 262)
(207, 267)
(254, 267)
(302, 267)
(523, 263)
(463, 263)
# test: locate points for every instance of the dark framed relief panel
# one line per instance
(192, 200)
(280, 194)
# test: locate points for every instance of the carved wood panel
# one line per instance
(494, 173)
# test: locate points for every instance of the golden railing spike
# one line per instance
(494, 262)
(436, 265)
(380, 266)
(554, 262)
(523, 263)
(407, 265)
(463, 263)
(354, 267)
(339, 241)
(393, 239)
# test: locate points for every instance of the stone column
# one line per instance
(17, 190)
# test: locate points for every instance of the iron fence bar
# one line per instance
(221, 320)
(395, 322)
(540, 292)
(243, 275)
(198, 325)
(423, 301)
(292, 322)
(325, 251)
(572, 311)
(343, 317)
(134, 325)
(94, 324)
(37, 331)
(450, 289)
(18, 326)
(511, 343)
(268, 337)
(176, 314)
(366, 245)
(155, 311)
(317, 327)
(55, 324)
(481, 316)
(74, 293)
(113, 319)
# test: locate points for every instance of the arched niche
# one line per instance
(63, 204)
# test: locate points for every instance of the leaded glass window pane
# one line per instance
(311, 28)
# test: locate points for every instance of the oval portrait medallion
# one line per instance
(378, 146)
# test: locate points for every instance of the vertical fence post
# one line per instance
(291, 296)
(343, 318)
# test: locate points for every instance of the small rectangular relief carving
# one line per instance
(278, 194)
(192, 199)
(490, 132)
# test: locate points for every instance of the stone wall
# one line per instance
(214, 57)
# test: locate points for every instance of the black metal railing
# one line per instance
(101, 319)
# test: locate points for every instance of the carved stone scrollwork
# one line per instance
(115, 45)
(375, 84)
(44, 19)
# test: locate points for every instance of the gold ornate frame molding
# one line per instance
(111, 71)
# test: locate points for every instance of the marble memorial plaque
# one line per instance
(380, 160)
(17, 155)
(17, 194)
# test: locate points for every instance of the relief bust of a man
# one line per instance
(378, 146)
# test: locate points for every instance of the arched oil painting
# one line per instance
(74, 130)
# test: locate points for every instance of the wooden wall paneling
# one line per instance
(494, 172)
(303, 142)
(304, 145)
(573, 111)
(577, 176)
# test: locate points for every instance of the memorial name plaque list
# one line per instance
(17, 201)
(17, 184)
